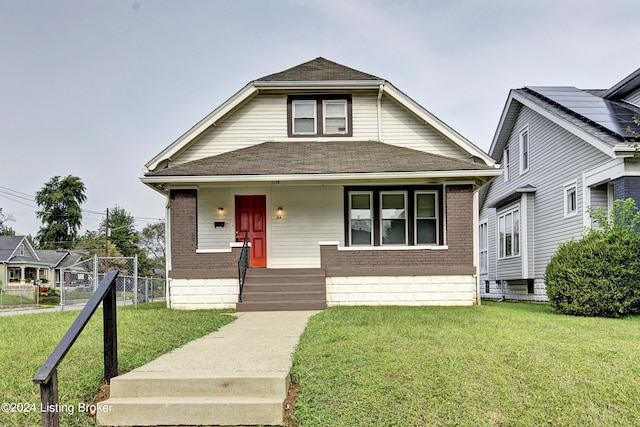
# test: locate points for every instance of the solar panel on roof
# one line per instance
(607, 114)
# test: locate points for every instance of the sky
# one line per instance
(97, 88)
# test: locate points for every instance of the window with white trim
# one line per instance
(509, 233)
(393, 218)
(360, 218)
(319, 115)
(304, 117)
(402, 216)
(484, 247)
(506, 158)
(571, 199)
(524, 151)
(426, 218)
(335, 116)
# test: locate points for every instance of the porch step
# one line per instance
(198, 383)
(283, 290)
(154, 411)
(149, 398)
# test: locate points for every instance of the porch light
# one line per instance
(220, 211)
(279, 212)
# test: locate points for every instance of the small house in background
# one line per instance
(21, 264)
(562, 150)
(349, 191)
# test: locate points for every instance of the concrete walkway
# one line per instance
(238, 375)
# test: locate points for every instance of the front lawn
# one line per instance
(143, 334)
(500, 364)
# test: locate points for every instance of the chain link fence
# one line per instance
(79, 281)
(18, 295)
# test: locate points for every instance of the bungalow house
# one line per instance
(21, 264)
(562, 149)
(348, 190)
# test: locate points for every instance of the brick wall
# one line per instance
(627, 186)
(185, 262)
(456, 259)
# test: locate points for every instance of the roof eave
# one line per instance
(318, 84)
(231, 103)
(502, 134)
(155, 181)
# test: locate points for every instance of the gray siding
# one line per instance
(557, 157)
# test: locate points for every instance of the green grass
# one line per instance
(499, 364)
(13, 300)
(143, 335)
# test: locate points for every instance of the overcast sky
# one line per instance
(96, 88)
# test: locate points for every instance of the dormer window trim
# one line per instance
(320, 103)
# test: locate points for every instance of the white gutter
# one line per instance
(482, 173)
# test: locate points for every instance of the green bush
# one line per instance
(600, 274)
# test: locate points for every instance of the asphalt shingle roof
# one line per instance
(313, 157)
(318, 69)
(8, 244)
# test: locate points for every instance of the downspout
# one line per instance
(380, 112)
(167, 248)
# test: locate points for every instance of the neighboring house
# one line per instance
(562, 149)
(338, 177)
(21, 264)
(58, 259)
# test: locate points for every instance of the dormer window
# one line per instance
(319, 115)
(335, 116)
(304, 117)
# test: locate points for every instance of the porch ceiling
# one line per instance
(320, 157)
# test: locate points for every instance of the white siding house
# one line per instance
(336, 177)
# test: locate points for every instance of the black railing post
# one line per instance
(49, 401)
(47, 376)
(243, 264)
(110, 326)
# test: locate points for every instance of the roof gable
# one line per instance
(316, 70)
(9, 247)
(317, 75)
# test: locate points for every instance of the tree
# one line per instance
(153, 242)
(93, 243)
(125, 237)
(5, 230)
(59, 201)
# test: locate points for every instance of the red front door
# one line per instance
(251, 214)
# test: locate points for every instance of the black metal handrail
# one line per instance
(47, 376)
(243, 264)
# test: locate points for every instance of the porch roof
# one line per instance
(321, 158)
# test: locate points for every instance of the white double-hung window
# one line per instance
(484, 247)
(304, 117)
(335, 116)
(509, 233)
(393, 218)
(361, 218)
(426, 225)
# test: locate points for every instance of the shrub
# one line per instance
(600, 274)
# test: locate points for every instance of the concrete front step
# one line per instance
(200, 384)
(156, 411)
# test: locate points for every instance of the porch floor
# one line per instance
(238, 375)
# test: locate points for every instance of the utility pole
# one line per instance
(106, 235)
